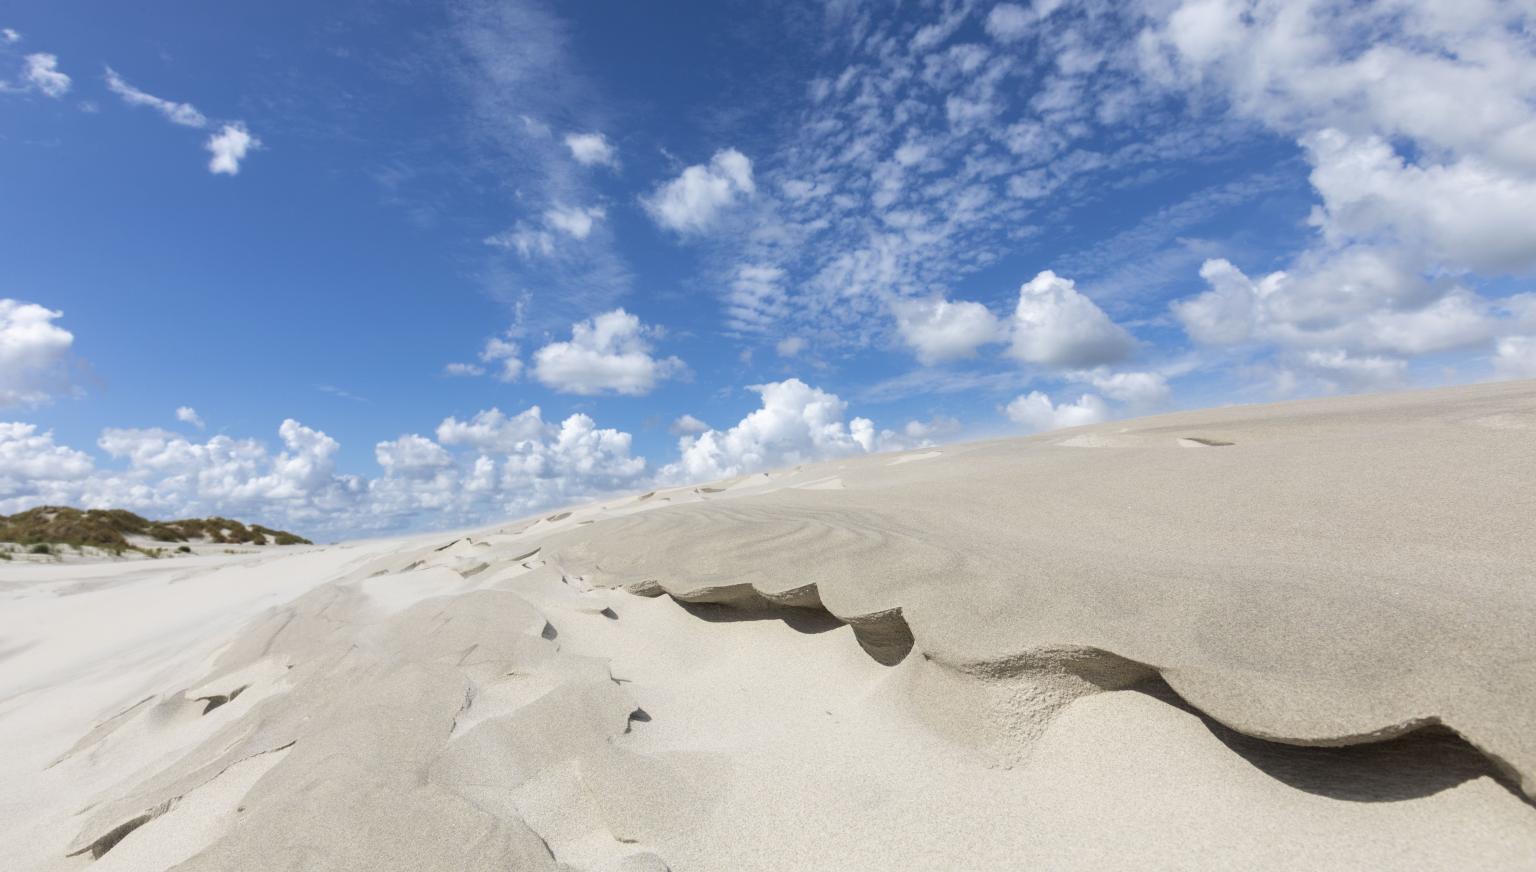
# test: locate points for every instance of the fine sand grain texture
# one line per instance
(1268, 637)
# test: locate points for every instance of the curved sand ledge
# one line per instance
(1044, 635)
(1320, 573)
(1048, 678)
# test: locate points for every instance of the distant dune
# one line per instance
(1264, 637)
(63, 532)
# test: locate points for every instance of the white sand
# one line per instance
(1040, 643)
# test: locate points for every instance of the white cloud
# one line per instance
(1515, 357)
(412, 456)
(1360, 299)
(686, 424)
(229, 147)
(1055, 325)
(1009, 22)
(934, 429)
(189, 415)
(492, 431)
(1420, 193)
(184, 114)
(691, 202)
(1139, 390)
(502, 353)
(507, 465)
(939, 330)
(1339, 370)
(8, 35)
(590, 149)
(607, 353)
(465, 369)
(27, 456)
(790, 346)
(796, 423)
(44, 75)
(1462, 214)
(1036, 413)
(33, 353)
(574, 221)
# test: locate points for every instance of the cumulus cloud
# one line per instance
(8, 35)
(42, 73)
(189, 415)
(1515, 357)
(1036, 413)
(570, 222)
(574, 221)
(610, 352)
(938, 330)
(796, 423)
(693, 201)
(229, 147)
(501, 355)
(184, 114)
(412, 456)
(33, 353)
(486, 468)
(935, 429)
(1055, 325)
(27, 456)
(1138, 390)
(686, 424)
(492, 431)
(592, 149)
(1359, 300)
(1417, 195)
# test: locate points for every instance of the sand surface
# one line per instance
(1269, 637)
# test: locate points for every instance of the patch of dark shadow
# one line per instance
(101, 846)
(639, 715)
(1416, 764)
(469, 573)
(710, 490)
(113, 837)
(416, 563)
(610, 614)
(645, 496)
(1211, 443)
(446, 547)
(522, 557)
(220, 699)
(801, 620)
(558, 517)
(379, 573)
(549, 632)
(584, 523)
(883, 635)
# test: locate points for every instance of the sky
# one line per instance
(354, 268)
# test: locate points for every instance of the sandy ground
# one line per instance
(1116, 647)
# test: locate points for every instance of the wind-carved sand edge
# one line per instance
(1066, 672)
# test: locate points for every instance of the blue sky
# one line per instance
(705, 239)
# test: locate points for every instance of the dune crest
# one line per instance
(1322, 623)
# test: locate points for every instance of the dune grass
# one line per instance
(44, 528)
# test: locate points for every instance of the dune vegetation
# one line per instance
(49, 527)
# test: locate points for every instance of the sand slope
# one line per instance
(1267, 637)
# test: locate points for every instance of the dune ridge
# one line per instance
(1038, 651)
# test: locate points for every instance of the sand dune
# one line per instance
(1262, 637)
